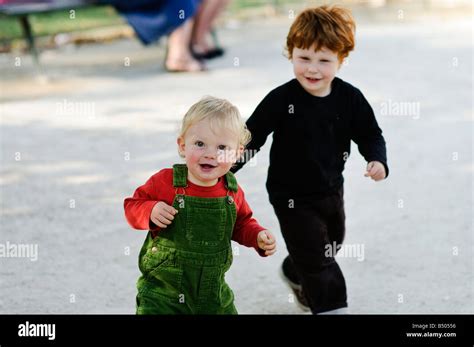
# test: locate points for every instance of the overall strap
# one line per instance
(180, 174)
(231, 182)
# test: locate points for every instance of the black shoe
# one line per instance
(211, 54)
(297, 290)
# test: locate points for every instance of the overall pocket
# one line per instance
(206, 226)
(164, 277)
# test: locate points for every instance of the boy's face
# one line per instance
(208, 154)
(315, 70)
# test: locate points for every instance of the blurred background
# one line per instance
(88, 113)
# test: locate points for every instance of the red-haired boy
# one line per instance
(313, 119)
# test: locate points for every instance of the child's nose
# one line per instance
(210, 153)
(312, 68)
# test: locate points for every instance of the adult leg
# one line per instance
(179, 57)
(207, 13)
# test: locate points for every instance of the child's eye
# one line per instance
(325, 60)
(222, 147)
(199, 144)
(304, 58)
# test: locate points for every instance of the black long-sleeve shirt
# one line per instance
(312, 139)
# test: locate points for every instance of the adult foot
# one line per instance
(184, 65)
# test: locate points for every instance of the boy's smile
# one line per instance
(207, 167)
(315, 70)
(313, 80)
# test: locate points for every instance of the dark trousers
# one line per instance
(308, 230)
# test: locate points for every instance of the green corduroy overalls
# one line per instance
(183, 268)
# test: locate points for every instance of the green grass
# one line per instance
(57, 22)
(91, 17)
(242, 4)
(238, 4)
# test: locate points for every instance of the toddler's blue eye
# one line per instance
(222, 147)
(199, 143)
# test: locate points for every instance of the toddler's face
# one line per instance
(208, 154)
(315, 70)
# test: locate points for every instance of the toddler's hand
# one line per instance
(162, 214)
(266, 241)
(375, 170)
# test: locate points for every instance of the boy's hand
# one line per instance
(162, 214)
(266, 241)
(376, 171)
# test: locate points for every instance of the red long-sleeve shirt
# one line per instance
(159, 187)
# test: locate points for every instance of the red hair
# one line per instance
(332, 27)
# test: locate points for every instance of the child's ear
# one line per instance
(181, 146)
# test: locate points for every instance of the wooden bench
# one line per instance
(22, 9)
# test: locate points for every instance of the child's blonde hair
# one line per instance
(220, 113)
